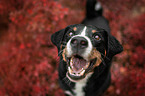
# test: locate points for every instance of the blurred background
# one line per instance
(29, 61)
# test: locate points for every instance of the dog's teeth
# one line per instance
(69, 69)
(82, 72)
(87, 65)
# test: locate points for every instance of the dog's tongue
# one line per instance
(78, 63)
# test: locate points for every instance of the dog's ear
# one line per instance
(114, 47)
(57, 38)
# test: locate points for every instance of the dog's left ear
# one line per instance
(114, 47)
(57, 38)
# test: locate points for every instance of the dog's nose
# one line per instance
(79, 42)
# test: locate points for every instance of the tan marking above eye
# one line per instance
(94, 31)
(97, 37)
(75, 28)
(70, 34)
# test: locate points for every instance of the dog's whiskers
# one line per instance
(103, 61)
(67, 81)
(64, 79)
(61, 60)
(60, 52)
(57, 59)
(105, 56)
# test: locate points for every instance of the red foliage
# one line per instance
(127, 24)
(28, 60)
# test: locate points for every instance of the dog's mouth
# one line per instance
(78, 67)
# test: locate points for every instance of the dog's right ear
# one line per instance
(114, 46)
(57, 38)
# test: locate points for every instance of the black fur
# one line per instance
(101, 78)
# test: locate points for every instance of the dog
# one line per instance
(86, 51)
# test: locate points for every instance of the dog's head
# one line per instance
(83, 48)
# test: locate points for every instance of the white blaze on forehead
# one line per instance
(83, 33)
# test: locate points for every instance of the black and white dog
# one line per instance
(86, 51)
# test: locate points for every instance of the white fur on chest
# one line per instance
(80, 86)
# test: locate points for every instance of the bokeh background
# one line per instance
(29, 61)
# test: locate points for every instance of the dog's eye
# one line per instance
(97, 37)
(70, 34)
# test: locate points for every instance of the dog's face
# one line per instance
(82, 47)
